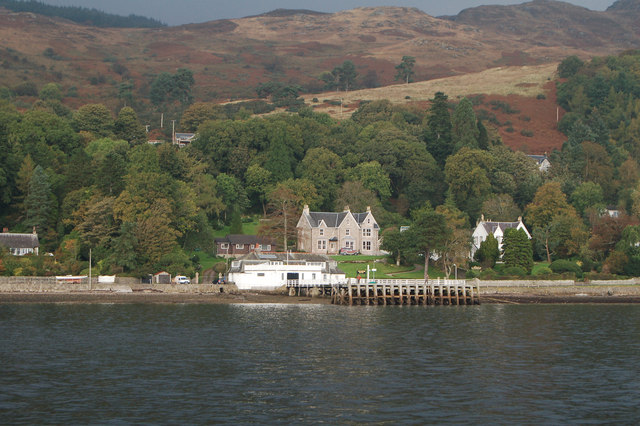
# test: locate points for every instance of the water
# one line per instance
(177, 364)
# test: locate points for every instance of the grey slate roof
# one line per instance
(491, 227)
(16, 241)
(333, 220)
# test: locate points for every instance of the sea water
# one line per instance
(186, 364)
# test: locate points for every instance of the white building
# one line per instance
(269, 271)
(486, 227)
(20, 244)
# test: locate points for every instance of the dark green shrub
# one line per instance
(561, 266)
(514, 271)
(488, 274)
(541, 96)
(543, 271)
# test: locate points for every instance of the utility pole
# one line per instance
(162, 120)
(90, 283)
(173, 130)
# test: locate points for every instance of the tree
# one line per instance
(427, 234)
(283, 210)
(128, 128)
(257, 181)
(465, 128)
(587, 196)
(405, 69)
(488, 252)
(172, 87)
(325, 169)
(569, 66)
(500, 208)
(373, 178)
(124, 247)
(356, 196)
(342, 76)
(439, 132)
(516, 249)
(94, 118)
(51, 91)
(548, 202)
(395, 242)
(236, 223)
(455, 249)
(468, 174)
(40, 202)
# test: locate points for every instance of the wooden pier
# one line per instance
(406, 292)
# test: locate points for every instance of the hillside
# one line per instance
(229, 58)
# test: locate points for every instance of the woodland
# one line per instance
(88, 179)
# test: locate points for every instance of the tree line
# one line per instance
(81, 15)
(88, 179)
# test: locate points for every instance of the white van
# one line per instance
(181, 279)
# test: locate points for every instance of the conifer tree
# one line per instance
(488, 252)
(40, 202)
(465, 128)
(517, 249)
(439, 131)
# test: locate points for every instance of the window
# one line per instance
(239, 246)
(366, 245)
(366, 232)
(349, 244)
(322, 244)
(313, 276)
(224, 246)
(261, 274)
(368, 220)
(347, 232)
(321, 232)
(266, 247)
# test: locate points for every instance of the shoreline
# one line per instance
(101, 297)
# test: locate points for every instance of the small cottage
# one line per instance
(269, 271)
(234, 245)
(20, 244)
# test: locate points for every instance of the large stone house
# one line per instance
(486, 227)
(330, 233)
(20, 244)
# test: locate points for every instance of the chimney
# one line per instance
(346, 209)
(368, 208)
(520, 219)
(5, 230)
(305, 210)
(34, 231)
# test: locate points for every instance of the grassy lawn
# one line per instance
(250, 228)
(207, 260)
(352, 264)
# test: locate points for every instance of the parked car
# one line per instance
(181, 279)
(348, 251)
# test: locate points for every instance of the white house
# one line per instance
(543, 162)
(269, 271)
(486, 227)
(20, 244)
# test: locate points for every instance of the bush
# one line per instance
(543, 270)
(488, 274)
(561, 266)
(541, 96)
(527, 133)
(515, 271)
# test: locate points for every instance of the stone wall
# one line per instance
(121, 284)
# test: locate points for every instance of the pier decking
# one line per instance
(394, 292)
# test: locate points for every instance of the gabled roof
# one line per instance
(491, 227)
(539, 158)
(333, 220)
(244, 239)
(17, 241)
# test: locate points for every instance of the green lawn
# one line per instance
(352, 264)
(250, 228)
(207, 260)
